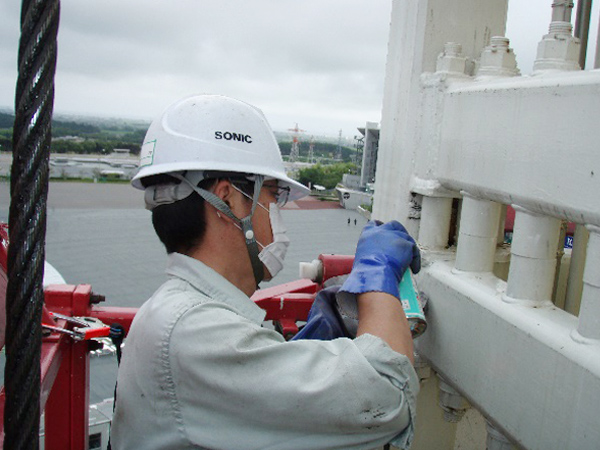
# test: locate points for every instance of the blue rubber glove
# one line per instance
(324, 322)
(383, 254)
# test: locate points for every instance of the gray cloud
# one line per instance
(318, 63)
(301, 61)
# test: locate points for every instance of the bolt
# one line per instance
(96, 298)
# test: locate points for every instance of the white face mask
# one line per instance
(272, 255)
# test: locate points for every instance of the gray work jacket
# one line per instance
(199, 371)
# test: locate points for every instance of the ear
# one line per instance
(232, 198)
(224, 190)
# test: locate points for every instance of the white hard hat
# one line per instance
(213, 133)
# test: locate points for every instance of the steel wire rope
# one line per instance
(34, 100)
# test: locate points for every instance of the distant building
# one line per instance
(369, 160)
(356, 190)
(351, 181)
(76, 139)
(120, 153)
(352, 198)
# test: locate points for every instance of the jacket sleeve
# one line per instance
(238, 383)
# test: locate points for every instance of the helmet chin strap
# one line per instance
(251, 244)
(245, 223)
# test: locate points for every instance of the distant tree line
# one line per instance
(81, 138)
(321, 150)
(6, 120)
(327, 176)
(102, 138)
(5, 140)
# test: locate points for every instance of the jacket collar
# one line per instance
(209, 282)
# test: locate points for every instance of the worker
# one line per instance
(199, 370)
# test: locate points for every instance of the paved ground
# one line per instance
(77, 195)
(100, 234)
(312, 203)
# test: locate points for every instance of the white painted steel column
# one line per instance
(435, 222)
(533, 257)
(478, 234)
(417, 36)
(589, 313)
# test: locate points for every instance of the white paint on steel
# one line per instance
(512, 140)
(532, 369)
(559, 50)
(533, 258)
(451, 60)
(497, 60)
(518, 365)
(589, 314)
(478, 235)
(419, 30)
(435, 222)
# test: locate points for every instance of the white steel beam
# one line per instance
(519, 365)
(516, 141)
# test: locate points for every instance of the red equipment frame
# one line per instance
(65, 368)
(65, 362)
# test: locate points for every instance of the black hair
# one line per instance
(181, 225)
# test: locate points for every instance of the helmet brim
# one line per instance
(297, 190)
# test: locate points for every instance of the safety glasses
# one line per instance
(281, 193)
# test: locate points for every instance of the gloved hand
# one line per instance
(383, 254)
(324, 322)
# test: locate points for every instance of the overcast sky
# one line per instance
(320, 63)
